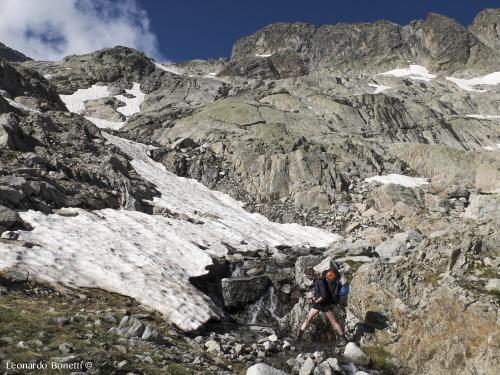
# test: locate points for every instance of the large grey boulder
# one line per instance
(483, 207)
(130, 327)
(307, 367)
(10, 219)
(240, 291)
(493, 285)
(355, 355)
(302, 264)
(263, 369)
(399, 244)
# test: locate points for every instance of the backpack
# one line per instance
(332, 279)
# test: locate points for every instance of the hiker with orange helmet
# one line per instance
(323, 300)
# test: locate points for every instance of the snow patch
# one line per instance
(417, 72)
(484, 117)
(76, 101)
(468, 84)
(264, 55)
(493, 148)
(398, 179)
(132, 105)
(126, 252)
(379, 88)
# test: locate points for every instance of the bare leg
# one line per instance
(334, 322)
(310, 316)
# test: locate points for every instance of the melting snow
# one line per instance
(151, 257)
(468, 84)
(76, 103)
(379, 88)
(398, 179)
(417, 72)
(492, 148)
(484, 117)
(132, 105)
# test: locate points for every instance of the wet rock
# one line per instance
(355, 355)
(239, 291)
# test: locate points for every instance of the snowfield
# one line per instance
(398, 179)
(151, 257)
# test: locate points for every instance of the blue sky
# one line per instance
(178, 30)
(189, 29)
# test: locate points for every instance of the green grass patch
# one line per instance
(176, 369)
(378, 356)
(431, 278)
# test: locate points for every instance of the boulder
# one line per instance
(240, 291)
(212, 346)
(355, 355)
(483, 207)
(263, 369)
(493, 285)
(10, 219)
(399, 244)
(301, 264)
(130, 327)
(323, 369)
(307, 367)
(357, 248)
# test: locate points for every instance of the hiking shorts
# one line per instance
(322, 307)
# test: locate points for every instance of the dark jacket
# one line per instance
(321, 289)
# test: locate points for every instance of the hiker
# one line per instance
(323, 301)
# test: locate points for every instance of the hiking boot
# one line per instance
(342, 341)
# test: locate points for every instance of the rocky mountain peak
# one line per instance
(486, 27)
(439, 42)
(10, 54)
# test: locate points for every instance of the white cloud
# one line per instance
(52, 29)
